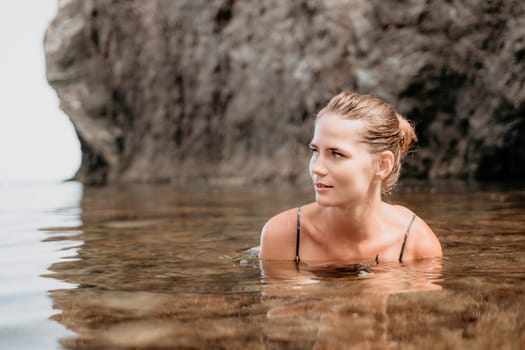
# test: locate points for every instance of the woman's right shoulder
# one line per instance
(278, 236)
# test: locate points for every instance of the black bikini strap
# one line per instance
(405, 238)
(297, 259)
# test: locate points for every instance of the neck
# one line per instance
(355, 222)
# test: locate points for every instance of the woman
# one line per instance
(357, 148)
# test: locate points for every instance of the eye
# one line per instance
(313, 149)
(337, 155)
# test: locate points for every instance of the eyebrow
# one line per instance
(329, 148)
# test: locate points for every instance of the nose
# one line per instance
(317, 166)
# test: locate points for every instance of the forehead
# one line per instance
(332, 128)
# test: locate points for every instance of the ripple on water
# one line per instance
(160, 267)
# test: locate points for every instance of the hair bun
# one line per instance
(407, 135)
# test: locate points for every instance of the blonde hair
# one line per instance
(387, 130)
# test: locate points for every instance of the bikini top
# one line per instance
(298, 259)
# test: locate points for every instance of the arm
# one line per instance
(422, 242)
(278, 237)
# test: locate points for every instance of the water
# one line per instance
(154, 267)
(25, 254)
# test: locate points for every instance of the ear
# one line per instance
(385, 164)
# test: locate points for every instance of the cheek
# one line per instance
(343, 172)
(354, 172)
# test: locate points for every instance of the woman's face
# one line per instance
(342, 168)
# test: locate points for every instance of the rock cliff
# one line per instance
(226, 90)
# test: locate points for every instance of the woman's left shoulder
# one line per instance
(421, 242)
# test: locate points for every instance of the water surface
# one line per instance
(153, 267)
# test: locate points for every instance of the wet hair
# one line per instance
(387, 130)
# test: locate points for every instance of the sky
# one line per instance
(37, 140)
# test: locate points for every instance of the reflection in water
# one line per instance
(25, 255)
(337, 297)
(166, 268)
(385, 278)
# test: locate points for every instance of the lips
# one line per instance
(322, 185)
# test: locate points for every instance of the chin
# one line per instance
(330, 201)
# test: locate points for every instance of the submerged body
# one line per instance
(356, 157)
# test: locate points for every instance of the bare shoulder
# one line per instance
(422, 242)
(278, 236)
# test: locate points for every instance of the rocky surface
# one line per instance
(226, 90)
